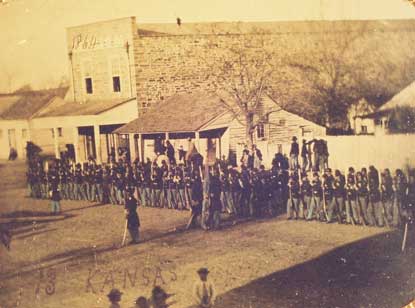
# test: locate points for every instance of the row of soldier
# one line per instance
(361, 197)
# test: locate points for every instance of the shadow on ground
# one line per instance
(369, 273)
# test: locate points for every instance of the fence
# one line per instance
(387, 151)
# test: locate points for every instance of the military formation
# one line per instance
(309, 191)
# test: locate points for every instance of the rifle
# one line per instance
(291, 199)
(405, 234)
(324, 201)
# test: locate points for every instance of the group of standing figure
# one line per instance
(309, 191)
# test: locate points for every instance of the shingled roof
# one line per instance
(60, 107)
(23, 105)
(178, 113)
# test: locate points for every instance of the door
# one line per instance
(12, 138)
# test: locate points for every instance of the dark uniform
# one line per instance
(362, 195)
(306, 195)
(133, 222)
(315, 204)
(351, 195)
(375, 210)
(387, 195)
(294, 196)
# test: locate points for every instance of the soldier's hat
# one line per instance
(159, 293)
(327, 170)
(114, 294)
(294, 138)
(141, 301)
(203, 270)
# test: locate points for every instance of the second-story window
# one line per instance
(88, 85)
(116, 74)
(116, 84)
(87, 72)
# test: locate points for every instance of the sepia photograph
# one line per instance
(207, 154)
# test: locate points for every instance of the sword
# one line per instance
(404, 237)
(324, 202)
(125, 233)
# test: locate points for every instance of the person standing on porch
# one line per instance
(257, 157)
(191, 151)
(294, 152)
(304, 155)
(170, 153)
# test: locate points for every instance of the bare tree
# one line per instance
(244, 71)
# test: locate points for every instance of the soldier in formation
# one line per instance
(364, 197)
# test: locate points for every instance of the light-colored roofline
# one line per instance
(100, 22)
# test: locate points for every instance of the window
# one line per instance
(116, 74)
(88, 85)
(281, 122)
(116, 84)
(60, 131)
(260, 131)
(364, 129)
(87, 73)
(53, 133)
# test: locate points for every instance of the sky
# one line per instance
(33, 41)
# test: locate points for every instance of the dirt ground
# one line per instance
(74, 259)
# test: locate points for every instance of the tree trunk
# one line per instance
(249, 131)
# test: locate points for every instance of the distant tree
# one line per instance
(402, 120)
(333, 69)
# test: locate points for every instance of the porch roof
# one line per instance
(179, 113)
(60, 107)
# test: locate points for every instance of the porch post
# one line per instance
(76, 143)
(56, 143)
(140, 147)
(97, 139)
(197, 141)
(116, 136)
(133, 154)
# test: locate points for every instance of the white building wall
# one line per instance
(13, 133)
